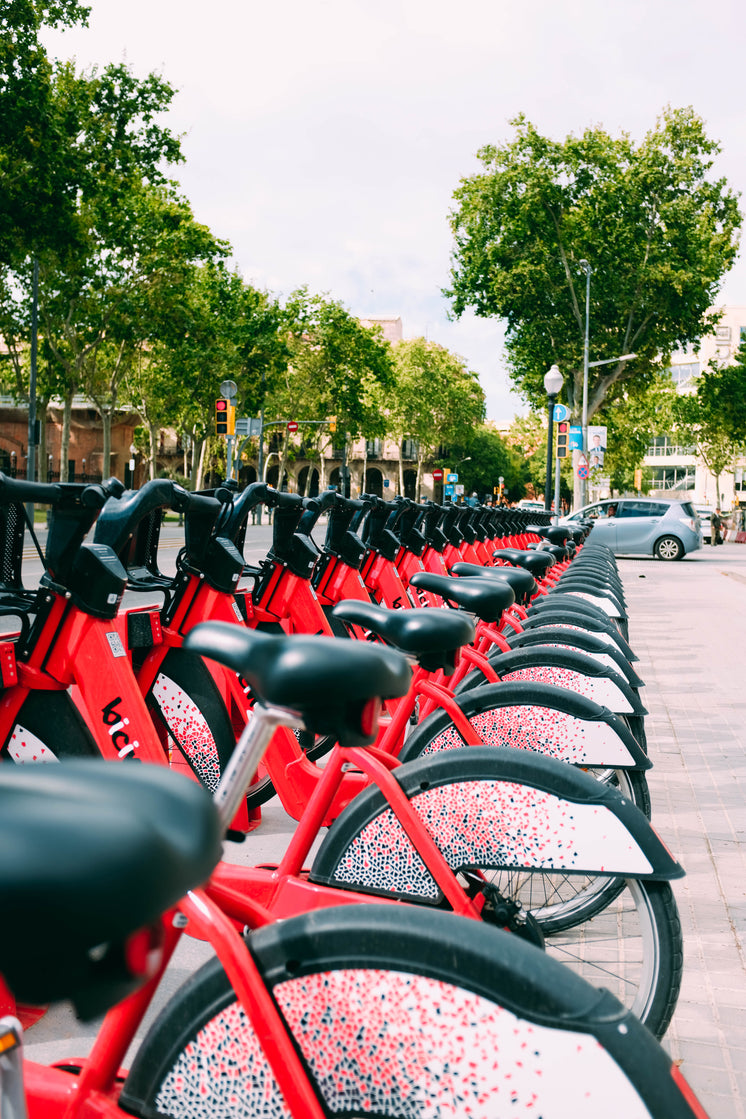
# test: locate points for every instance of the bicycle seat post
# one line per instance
(12, 1092)
(245, 759)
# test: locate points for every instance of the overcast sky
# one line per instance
(324, 138)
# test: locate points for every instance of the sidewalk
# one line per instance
(688, 626)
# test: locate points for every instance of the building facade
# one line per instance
(676, 468)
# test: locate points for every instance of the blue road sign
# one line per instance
(575, 442)
(561, 412)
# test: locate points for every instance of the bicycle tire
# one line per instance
(185, 703)
(491, 812)
(48, 728)
(406, 1017)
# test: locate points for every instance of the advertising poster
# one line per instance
(596, 446)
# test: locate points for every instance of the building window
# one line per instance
(373, 448)
(740, 479)
(673, 478)
(684, 372)
(665, 445)
(409, 448)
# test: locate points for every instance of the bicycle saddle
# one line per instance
(90, 852)
(538, 563)
(328, 680)
(559, 551)
(432, 635)
(486, 599)
(522, 581)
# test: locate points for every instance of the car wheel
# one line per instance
(669, 548)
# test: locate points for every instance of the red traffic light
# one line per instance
(221, 416)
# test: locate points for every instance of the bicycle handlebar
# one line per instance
(86, 495)
(236, 514)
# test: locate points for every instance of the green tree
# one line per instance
(38, 148)
(490, 457)
(722, 392)
(527, 437)
(435, 401)
(336, 367)
(657, 227)
(713, 416)
(212, 327)
(107, 302)
(639, 413)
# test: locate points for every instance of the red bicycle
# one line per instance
(366, 1010)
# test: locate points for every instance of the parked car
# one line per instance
(525, 503)
(704, 512)
(661, 527)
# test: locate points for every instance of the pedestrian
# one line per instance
(716, 526)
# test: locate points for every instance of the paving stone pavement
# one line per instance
(688, 627)
(687, 624)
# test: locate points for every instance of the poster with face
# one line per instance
(596, 445)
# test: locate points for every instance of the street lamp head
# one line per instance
(553, 381)
(585, 266)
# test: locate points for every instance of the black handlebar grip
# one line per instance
(18, 489)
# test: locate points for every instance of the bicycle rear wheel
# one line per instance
(48, 728)
(403, 1014)
(185, 704)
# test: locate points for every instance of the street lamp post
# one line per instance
(553, 382)
(587, 269)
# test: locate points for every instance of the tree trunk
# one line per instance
(418, 482)
(106, 447)
(153, 445)
(67, 408)
(322, 465)
(200, 460)
(401, 470)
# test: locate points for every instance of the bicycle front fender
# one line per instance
(491, 809)
(543, 718)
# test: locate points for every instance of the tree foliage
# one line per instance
(436, 400)
(640, 412)
(721, 392)
(714, 417)
(657, 227)
(485, 457)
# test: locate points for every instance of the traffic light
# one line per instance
(221, 416)
(332, 423)
(563, 434)
(231, 418)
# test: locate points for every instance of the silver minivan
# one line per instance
(653, 526)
